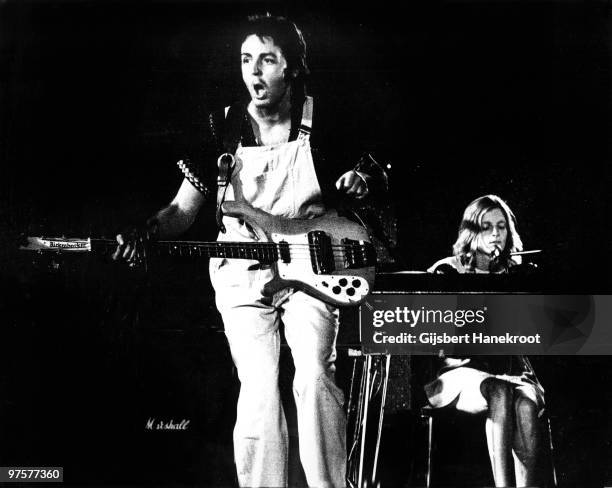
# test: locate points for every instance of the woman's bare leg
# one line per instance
(526, 440)
(499, 427)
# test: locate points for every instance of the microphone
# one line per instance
(494, 262)
(495, 253)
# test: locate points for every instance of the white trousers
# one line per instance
(260, 434)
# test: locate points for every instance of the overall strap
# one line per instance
(232, 133)
(306, 123)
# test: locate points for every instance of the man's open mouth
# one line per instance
(259, 89)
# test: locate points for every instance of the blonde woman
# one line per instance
(503, 387)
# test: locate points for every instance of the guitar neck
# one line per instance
(265, 252)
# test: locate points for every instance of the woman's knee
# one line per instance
(525, 408)
(496, 392)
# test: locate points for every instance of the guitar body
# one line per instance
(332, 277)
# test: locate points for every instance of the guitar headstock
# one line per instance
(56, 244)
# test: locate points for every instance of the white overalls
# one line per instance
(281, 180)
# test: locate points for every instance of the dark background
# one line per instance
(460, 98)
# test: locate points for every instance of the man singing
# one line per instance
(276, 172)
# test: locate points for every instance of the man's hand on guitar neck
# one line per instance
(132, 245)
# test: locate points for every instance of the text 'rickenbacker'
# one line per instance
(328, 257)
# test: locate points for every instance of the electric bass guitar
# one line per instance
(328, 257)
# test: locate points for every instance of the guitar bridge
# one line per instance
(358, 254)
(321, 252)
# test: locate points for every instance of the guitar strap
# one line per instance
(227, 162)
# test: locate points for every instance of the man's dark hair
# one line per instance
(288, 37)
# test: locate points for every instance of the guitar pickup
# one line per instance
(283, 252)
(321, 252)
(358, 254)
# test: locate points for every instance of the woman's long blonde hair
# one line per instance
(471, 225)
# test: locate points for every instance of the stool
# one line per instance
(428, 414)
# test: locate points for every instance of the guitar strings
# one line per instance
(270, 250)
(217, 244)
(260, 247)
